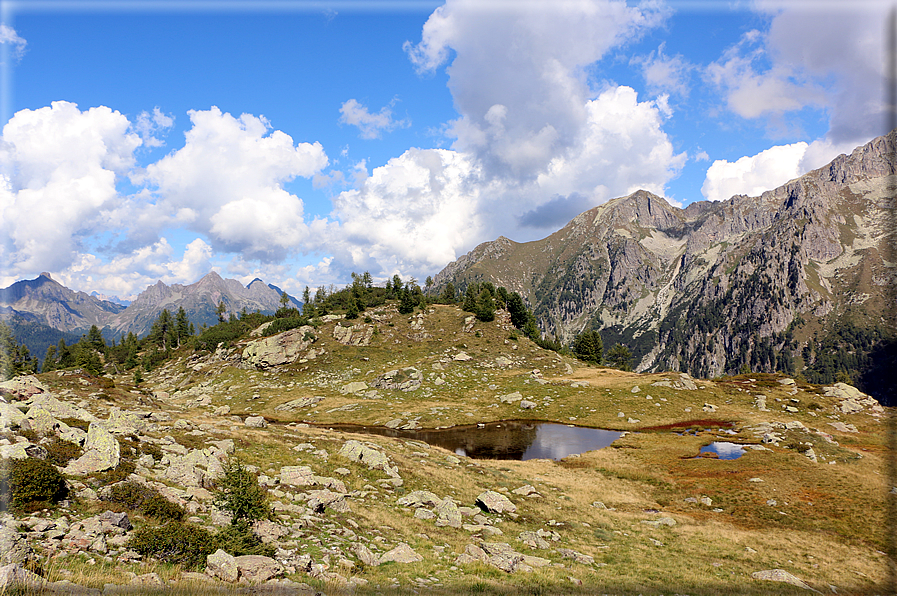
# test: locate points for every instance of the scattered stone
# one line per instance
(510, 397)
(709, 408)
(844, 428)
(780, 575)
(401, 554)
(101, 452)
(354, 387)
(255, 422)
(525, 490)
(419, 498)
(356, 335)
(663, 521)
(462, 357)
(527, 405)
(448, 514)
(298, 404)
(494, 502)
(364, 554)
(405, 379)
(16, 579)
(706, 501)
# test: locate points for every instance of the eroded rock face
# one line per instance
(258, 568)
(12, 418)
(279, 349)
(356, 335)
(14, 548)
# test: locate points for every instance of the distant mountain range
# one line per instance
(764, 283)
(41, 311)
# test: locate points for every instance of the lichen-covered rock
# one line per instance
(101, 452)
(780, 575)
(279, 349)
(494, 502)
(448, 514)
(15, 579)
(419, 498)
(12, 418)
(222, 566)
(14, 548)
(255, 422)
(298, 404)
(356, 335)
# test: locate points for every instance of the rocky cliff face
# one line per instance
(718, 285)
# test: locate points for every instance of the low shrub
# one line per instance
(238, 539)
(34, 483)
(175, 542)
(60, 452)
(161, 508)
(146, 500)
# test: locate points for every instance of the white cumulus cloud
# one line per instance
(227, 182)
(370, 125)
(754, 174)
(60, 167)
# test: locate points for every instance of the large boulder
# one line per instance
(401, 554)
(101, 452)
(23, 386)
(372, 458)
(222, 566)
(258, 568)
(14, 548)
(12, 418)
(356, 335)
(279, 349)
(494, 502)
(15, 579)
(448, 514)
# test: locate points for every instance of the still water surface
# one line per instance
(512, 439)
(724, 449)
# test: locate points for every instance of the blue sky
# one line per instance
(298, 141)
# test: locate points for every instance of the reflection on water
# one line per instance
(504, 440)
(724, 449)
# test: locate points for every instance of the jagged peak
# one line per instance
(45, 274)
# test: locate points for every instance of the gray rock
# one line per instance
(356, 335)
(319, 500)
(258, 568)
(663, 521)
(419, 498)
(780, 575)
(494, 502)
(532, 540)
(354, 387)
(101, 452)
(401, 554)
(16, 579)
(365, 555)
(510, 397)
(279, 349)
(223, 566)
(405, 379)
(298, 404)
(14, 548)
(448, 514)
(255, 422)
(527, 405)
(12, 418)
(372, 458)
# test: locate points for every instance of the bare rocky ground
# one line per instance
(803, 509)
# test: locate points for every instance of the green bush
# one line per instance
(34, 482)
(60, 452)
(146, 500)
(161, 508)
(175, 542)
(239, 494)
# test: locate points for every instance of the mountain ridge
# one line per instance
(737, 273)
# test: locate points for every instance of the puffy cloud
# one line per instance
(370, 125)
(411, 214)
(9, 36)
(518, 73)
(148, 125)
(227, 182)
(751, 92)
(751, 175)
(665, 73)
(60, 168)
(829, 55)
